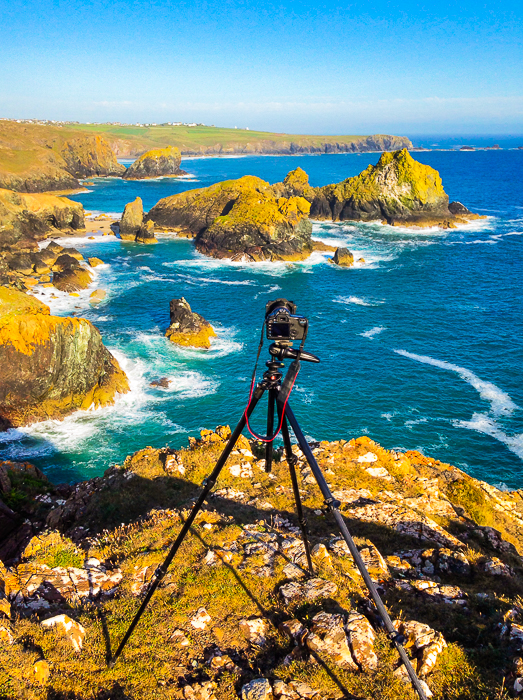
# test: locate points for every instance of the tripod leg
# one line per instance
(291, 461)
(270, 429)
(333, 506)
(207, 486)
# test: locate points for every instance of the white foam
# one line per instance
(373, 332)
(500, 402)
(359, 301)
(483, 423)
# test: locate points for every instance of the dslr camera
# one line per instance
(282, 322)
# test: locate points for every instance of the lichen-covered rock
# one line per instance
(343, 257)
(50, 365)
(159, 162)
(26, 219)
(239, 219)
(398, 190)
(146, 233)
(72, 277)
(132, 220)
(187, 327)
(258, 689)
(328, 637)
(255, 631)
(361, 637)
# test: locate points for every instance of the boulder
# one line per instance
(146, 233)
(159, 162)
(243, 220)
(187, 327)
(132, 220)
(72, 279)
(50, 365)
(328, 637)
(343, 257)
(258, 689)
(94, 262)
(254, 631)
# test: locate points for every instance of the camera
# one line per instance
(282, 322)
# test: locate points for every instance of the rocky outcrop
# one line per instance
(50, 365)
(36, 158)
(239, 219)
(398, 190)
(187, 327)
(132, 225)
(159, 162)
(343, 257)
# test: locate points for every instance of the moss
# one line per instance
(464, 493)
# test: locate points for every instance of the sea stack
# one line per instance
(160, 162)
(187, 327)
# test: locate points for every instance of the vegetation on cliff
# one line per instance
(239, 219)
(235, 605)
(159, 162)
(36, 158)
(50, 365)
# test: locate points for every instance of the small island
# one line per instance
(159, 162)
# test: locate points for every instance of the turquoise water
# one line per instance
(421, 348)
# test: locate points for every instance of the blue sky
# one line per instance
(299, 67)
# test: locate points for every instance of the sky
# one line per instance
(297, 67)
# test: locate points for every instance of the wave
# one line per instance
(500, 402)
(373, 332)
(359, 301)
(483, 423)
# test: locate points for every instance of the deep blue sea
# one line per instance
(421, 347)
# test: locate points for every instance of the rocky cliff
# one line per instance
(36, 158)
(50, 365)
(159, 162)
(188, 328)
(237, 614)
(239, 219)
(398, 190)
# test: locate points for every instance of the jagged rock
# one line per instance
(239, 219)
(146, 233)
(328, 637)
(258, 689)
(74, 631)
(132, 220)
(361, 638)
(294, 629)
(495, 567)
(309, 590)
(343, 257)
(50, 365)
(458, 209)
(187, 327)
(255, 631)
(425, 642)
(159, 162)
(200, 619)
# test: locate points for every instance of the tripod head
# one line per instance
(283, 350)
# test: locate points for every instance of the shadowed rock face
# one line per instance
(132, 225)
(49, 365)
(159, 162)
(187, 327)
(243, 219)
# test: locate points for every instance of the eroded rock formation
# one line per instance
(187, 327)
(159, 162)
(50, 365)
(132, 224)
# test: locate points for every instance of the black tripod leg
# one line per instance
(270, 429)
(333, 506)
(207, 486)
(291, 461)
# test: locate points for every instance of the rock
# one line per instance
(328, 637)
(132, 220)
(343, 257)
(97, 296)
(26, 219)
(94, 262)
(295, 630)
(50, 365)
(73, 253)
(200, 691)
(159, 162)
(254, 631)
(309, 590)
(146, 233)
(258, 689)
(239, 219)
(200, 619)
(89, 155)
(162, 383)
(458, 209)
(72, 279)
(320, 553)
(398, 190)
(187, 327)
(361, 638)
(179, 638)
(6, 636)
(74, 631)
(379, 473)
(41, 672)
(368, 457)
(426, 643)
(495, 567)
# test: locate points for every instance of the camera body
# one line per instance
(283, 324)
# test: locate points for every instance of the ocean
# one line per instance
(421, 347)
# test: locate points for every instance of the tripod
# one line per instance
(278, 398)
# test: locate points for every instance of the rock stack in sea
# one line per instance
(237, 612)
(187, 327)
(159, 162)
(132, 224)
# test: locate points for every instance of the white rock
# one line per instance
(258, 689)
(74, 630)
(379, 473)
(200, 619)
(368, 457)
(255, 631)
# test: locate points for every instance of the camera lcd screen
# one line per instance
(280, 330)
